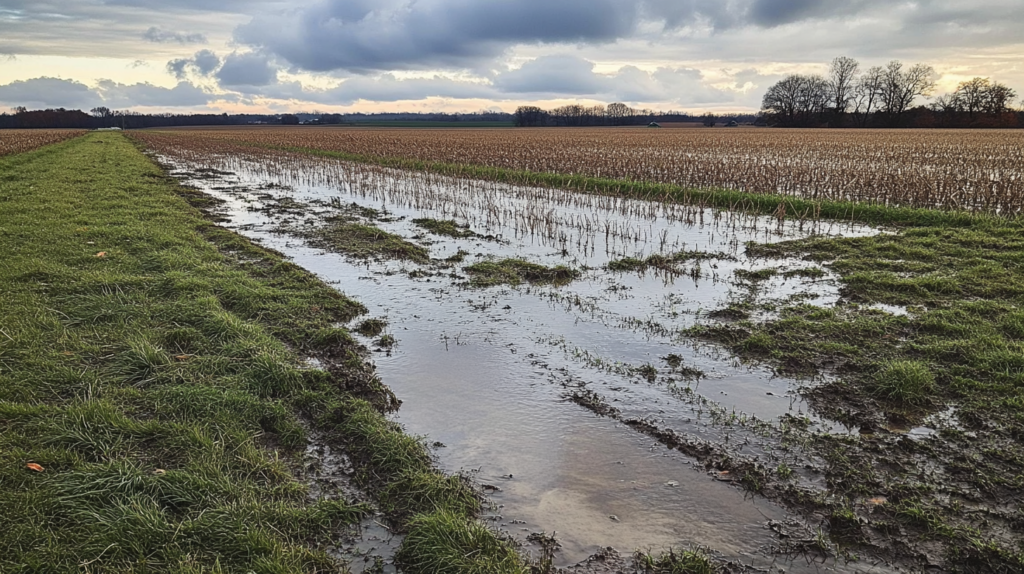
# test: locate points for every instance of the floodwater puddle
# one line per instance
(489, 375)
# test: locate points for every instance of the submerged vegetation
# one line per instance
(446, 227)
(669, 263)
(364, 241)
(153, 405)
(516, 271)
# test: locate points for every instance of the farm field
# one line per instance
(858, 383)
(18, 141)
(706, 380)
(979, 170)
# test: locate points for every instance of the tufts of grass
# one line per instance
(904, 382)
(363, 241)
(447, 227)
(691, 561)
(516, 271)
(668, 263)
(371, 327)
(444, 543)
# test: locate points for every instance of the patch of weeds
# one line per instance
(905, 382)
(648, 372)
(756, 276)
(371, 327)
(695, 560)
(806, 273)
(675, 362)
(732, 312)
(446, 227)
(385, 342)
(446, 543)
(516, 271)
(341, 235)
(459, 257)
(668, 263)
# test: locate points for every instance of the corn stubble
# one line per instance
(976, 170)
(18, 141)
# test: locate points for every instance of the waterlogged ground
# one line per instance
(579, 408)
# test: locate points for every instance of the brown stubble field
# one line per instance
(976, 170)
(18, 141)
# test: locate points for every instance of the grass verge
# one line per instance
(151, 388)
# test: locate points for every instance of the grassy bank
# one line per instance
(153, 406)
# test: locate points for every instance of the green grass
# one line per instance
(446, 227)
(906, 382)
(669, 263)
(363, 241)
(516, 271)
(959, 347)
(690, 561)
(160, 388)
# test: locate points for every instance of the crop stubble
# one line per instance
(977, 170)
(18, 141)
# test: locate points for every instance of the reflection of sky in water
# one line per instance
(485, 371)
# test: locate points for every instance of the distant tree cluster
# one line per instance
(615, 114)
(884, 97)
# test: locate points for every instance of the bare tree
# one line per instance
(797, 100)
(868, 93)
(842, 80)
(900, 88)
(618, 113)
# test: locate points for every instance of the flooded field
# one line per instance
(568, 390)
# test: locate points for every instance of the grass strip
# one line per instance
(150, 384)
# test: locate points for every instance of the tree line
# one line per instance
(102, 117)
(884, 96)
(614, 114)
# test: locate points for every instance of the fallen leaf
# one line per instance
(182, 357)
(34, 466)
(101, 254)
(68, 354)
(878, 501)
(159, 472)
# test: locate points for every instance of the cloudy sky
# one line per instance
(468, 55)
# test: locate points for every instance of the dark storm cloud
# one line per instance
(203, 63)
(160, 36)
(555, 77)
(48, 93)
(248, 69)
(341, 35)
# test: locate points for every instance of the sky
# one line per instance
(343, 56)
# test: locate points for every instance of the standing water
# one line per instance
(538, 391)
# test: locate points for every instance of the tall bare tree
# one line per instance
(797, 100)
(842, 80)
(868, 93)
(901, 87)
